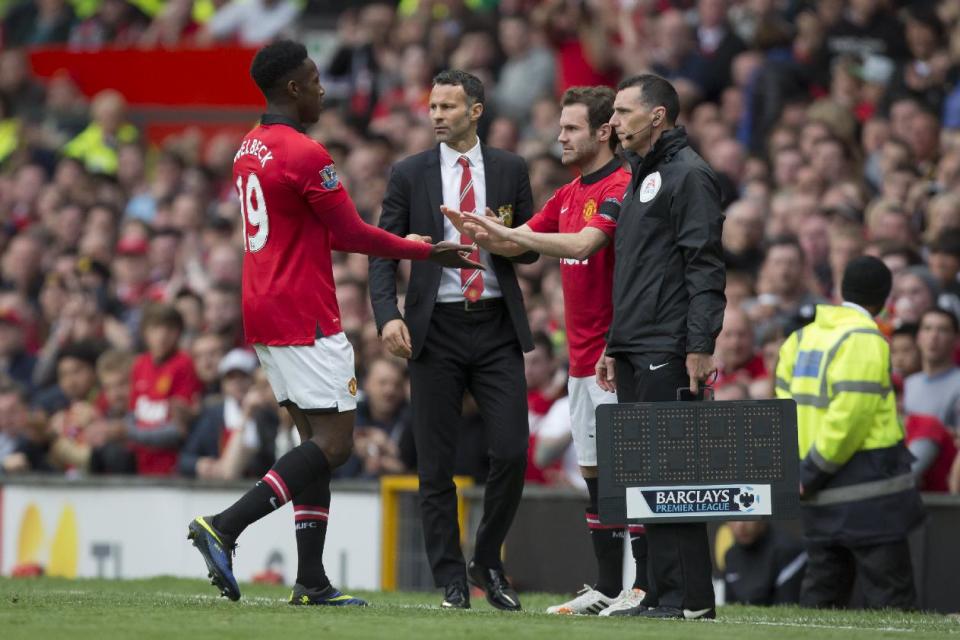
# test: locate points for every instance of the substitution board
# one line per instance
(697, 461)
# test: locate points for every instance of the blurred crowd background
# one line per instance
(834, 126)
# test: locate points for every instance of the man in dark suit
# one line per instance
(462, 329)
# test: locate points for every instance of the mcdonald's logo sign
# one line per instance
(56, 555)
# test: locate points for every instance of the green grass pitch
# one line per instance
(41, 609)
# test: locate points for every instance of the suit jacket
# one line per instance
(412, 205)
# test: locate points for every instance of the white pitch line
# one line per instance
(768, 623)
(267, 601)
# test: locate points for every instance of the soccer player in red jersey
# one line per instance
(294, 212)
(577, 225)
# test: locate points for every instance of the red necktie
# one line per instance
(471, 280)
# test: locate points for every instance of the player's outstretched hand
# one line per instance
(485, 228)
(452, 254)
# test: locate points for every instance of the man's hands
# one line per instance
(451, 254)
(606, 373)
(483, 228)
(476, 227)
(448, 254)
(396, 337)
(699, 367)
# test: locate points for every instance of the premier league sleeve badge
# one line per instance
(329, 178)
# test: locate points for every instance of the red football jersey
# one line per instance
(154, 385)
(294, 210)
(588, 201)
(919, 427)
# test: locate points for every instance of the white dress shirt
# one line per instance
(450, 175)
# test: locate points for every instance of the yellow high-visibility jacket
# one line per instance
(96, 151)
(855, 468)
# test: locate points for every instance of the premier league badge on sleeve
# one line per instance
(329, 176)
(505, 213)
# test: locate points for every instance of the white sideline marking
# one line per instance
(266, 601)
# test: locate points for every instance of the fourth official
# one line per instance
(668, 307)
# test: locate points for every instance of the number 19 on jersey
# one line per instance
(253, 212)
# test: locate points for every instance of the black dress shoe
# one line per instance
(455, 596)
(499, 592)
(675, 613)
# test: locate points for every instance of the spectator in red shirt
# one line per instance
(165, 390)
(737, 361)
(542, 390)
(934, 451)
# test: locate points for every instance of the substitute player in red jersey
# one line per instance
(576, 225)
(294, 212)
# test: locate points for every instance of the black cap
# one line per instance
(866, 281)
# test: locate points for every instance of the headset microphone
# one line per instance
(629, 136)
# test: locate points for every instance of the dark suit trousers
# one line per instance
(476, 351)
(678, 561)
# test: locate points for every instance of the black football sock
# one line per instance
(638, 544)
(292, 473)
(607, 547)
(311, 509)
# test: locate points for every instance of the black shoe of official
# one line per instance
(455, 596)
(675, 613)
(499, 592)
(635, 610)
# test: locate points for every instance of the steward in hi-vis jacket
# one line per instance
(858, 495)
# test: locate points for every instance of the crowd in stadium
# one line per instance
(834, 127)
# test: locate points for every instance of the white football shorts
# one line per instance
(317, 378)
(585, 395)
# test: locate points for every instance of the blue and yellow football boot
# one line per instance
(217, 551)
(329, 597)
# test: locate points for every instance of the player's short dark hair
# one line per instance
(943, 313)
(471, 84)
(161, 314)
(599, 103)
(274, 62)
(655, 92)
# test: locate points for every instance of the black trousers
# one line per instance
(884, 570)
(679, 567)
(476, 351)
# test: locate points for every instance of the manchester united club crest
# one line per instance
(163, 384)
(329, 177)
(352, 386)
(650, 187)
(589, 208)
(505, 213)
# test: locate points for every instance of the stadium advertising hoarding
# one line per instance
(115, 531)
